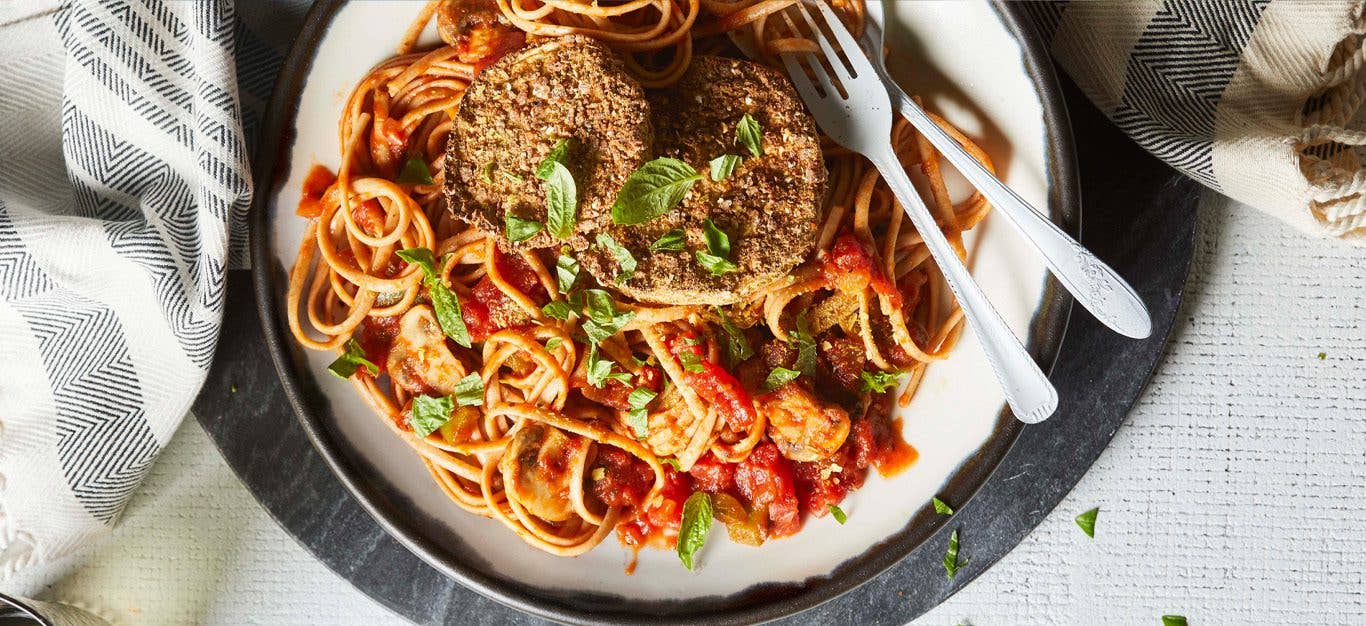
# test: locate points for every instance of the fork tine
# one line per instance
(859, 63)
(831, 55)
(800, 79)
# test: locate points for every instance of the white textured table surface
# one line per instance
(1235, 493)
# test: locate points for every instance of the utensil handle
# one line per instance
(1093, 283)
(1030, 396)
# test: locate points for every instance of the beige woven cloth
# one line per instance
(1260, 100)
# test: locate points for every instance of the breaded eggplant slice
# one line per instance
(769, 206)
(515, 112)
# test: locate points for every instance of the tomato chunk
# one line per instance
(714, 384)
(713, 475)
(625, 479)
(317, 181)
(765, 479)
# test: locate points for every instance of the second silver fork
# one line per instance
(862, 122)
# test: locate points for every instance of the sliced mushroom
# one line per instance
(538, 468)
(804, 428)
(420, 361)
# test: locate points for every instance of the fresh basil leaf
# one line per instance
(879, 382)
(469, 391)
(692, 533)
(1173, 620)
(561, 202)
(652, 190)
(672, 462)
(519, 229)
(566, 272)
(671, 241)
(603, 318)
(444, 301)
(806, 346)
(718, 242)
(780, 376)
(749, 135)
(625, 261)
(838, 514)
(942, 507)
(600, 369)
(558, 154)
(715, 264)
(640, 398)
(736, 345)
(951, 562)
(558, 309)
(553, 343)
(639, 419)
(1087, 522)
(415, 172)
(353, 359)
(428, 414)
(421, 257)
(690, 361)
(723, 166)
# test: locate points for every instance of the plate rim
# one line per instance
(754, 604)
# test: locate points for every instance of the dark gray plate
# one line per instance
(1098, 375)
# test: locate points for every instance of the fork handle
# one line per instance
(1027, 390)
(1093, 283)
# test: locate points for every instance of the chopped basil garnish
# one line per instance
(749, 135)
(780, 376)
(723, 166)
(1173, 620)
(510, 176)
(838, 514)
(690, 361)
(718, 242)
(444, 302)
(600, 369)
(1323, 355)
(558, 309)
(415, 172)
(942, 507)
(469, 391)
(652, 190)
(486, 173)
(566, 272)
(1087, 522)
(519, 229)
(715, 259)
(603, 318)
(806, 346)
(639, 417)
(625, 261)
(561, 196)
(737, 346)
(429, 414)
(879, 382)
(671, 241)
(951, 563)
(559, 153)
(553, 343)
(692, 533)
(353, 359)
(672, 462)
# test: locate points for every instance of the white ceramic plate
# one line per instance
(985, 90)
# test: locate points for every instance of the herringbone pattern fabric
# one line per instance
(1257, 99)
(124, 186)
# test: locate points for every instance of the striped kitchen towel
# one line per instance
(124, 186)
(1257, 99)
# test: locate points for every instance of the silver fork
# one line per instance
(1093, 283)
(862, 122)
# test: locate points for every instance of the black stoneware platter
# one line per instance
(274, 434)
